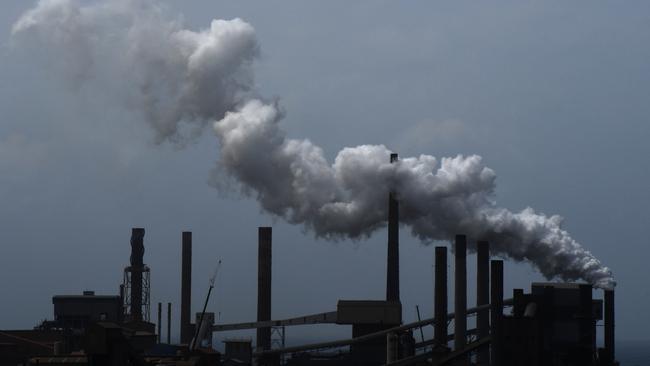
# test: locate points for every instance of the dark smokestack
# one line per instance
(460, 293)
(440, 298)
(159, 322)
(264, 286)
(169, 323)
(186, 288)
(496, 311)
(392, 272)
(137, 265)
(482, 298)
(610, 349)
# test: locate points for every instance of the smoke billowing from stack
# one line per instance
(181, 81)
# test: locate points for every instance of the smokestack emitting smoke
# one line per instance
(182, 80)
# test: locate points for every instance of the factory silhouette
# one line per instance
(553, 324)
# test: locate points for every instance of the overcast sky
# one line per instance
(554, 96)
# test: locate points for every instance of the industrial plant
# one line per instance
(551, 324)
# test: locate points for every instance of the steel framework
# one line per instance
(128, 285)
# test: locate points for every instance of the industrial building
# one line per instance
(553, 325)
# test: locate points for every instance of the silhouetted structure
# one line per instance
(136, 283)
(392, 267)
(265, 238)
(187, 330)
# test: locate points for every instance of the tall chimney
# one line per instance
(483, 298)
(392, 272)
(169, 323)
(137, 266)
(159, 322)
(186, 288)
(265, 235)
(496, 311)
(460, 294)
(610, 347)
(440, 298)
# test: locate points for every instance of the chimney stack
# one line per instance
(440, 299)
(496, 311)
(392, 272)
(169, 323)
(159, 322)
(137, 266)
(186, 288)
(610, 349)
(460, 294)
(264, 286)
(483, 298)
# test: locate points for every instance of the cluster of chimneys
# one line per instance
(489, 293)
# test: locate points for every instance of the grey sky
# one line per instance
(554, 96)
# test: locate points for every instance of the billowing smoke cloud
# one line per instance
(182, 79)
(178, 79)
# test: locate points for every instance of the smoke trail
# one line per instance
(179, 78)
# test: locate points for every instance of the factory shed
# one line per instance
(79, 311)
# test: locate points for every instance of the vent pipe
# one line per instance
(186, 288)
(264, 286)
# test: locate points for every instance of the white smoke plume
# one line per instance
(182, 79)
(178, 79)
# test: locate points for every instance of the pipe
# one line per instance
(392, 271)
(137, 265)
(169, 323)
(496, 311)
(482, 298)
(460, 294)
(610, 346)
(392, 350)
(186, 288)
(159, 322)
(440, 298)
(265, 235)
(122, 305)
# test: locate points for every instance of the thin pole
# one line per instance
(159, 322)
(169, 323)
(417, 309)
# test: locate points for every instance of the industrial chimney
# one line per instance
(137, 264)
(440, 299)
(483, 298)
(186, 288)
(460, 295)
(392, 272)
(264, 286)
(610, 349)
